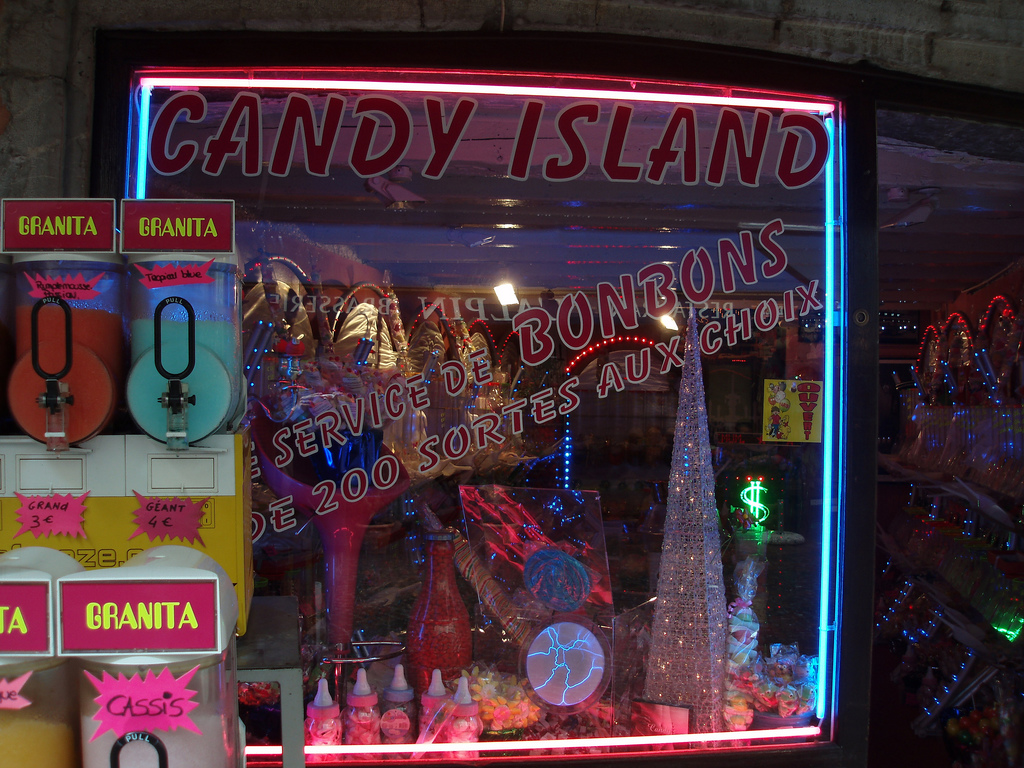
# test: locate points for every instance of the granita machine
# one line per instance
(155, 639)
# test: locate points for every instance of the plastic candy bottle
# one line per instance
(399, 712)
(323, 721)
(430, 704)
(465, 726)
(439, 635)
(362, 717)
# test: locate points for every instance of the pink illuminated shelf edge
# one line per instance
(507, 746)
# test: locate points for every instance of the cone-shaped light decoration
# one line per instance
(687, 661)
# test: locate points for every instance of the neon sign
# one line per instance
(756, 511)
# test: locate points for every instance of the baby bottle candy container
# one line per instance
(38, 703)
(155, 640)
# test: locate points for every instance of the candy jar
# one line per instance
(398, 715)
(362, 717)
(323, 721)
(439, 633)
(431, 702)
(465, 726)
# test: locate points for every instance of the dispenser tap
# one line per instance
(176, 400)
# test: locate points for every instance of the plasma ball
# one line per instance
(565, 664)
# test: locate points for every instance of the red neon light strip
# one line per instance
(185, 81)
(496, 746)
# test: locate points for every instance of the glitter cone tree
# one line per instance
(686, 665)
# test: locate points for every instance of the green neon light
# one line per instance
(1011, 634)
(751, 496)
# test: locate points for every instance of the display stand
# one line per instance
(269, 652)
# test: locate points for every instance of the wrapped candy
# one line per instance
(788, 701)
(504, 703)
(806, 695)
(765, 693)
(741, 647)
(738, 710)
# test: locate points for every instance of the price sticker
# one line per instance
(59, 514)
(162, 518)
(150, 702)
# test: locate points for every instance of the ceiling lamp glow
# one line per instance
(506, 293)
(669, 322)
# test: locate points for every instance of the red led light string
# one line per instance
(606, 342)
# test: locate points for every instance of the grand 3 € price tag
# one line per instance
(59, 514)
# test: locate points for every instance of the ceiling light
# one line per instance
(918, 213)
(394, 196)
(669, 322)
(506, 293)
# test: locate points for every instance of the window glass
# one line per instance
(540, 385)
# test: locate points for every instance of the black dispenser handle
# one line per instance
(158, 356)
(35, 337)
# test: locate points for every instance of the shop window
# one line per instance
(607, 499)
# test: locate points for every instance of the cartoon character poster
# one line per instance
(792, 411)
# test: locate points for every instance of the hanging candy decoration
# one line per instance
(929, 369)
(998, 345)
(961, 367)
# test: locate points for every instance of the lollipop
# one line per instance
(557, 579)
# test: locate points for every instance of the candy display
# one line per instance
(465, 724)
(490, 591)
(323, 721)
(543, 547)
(361, 718)
(503, 699)
(399, 713)
(356, 345)
(432, 701)
(742, 646)
(438, 636)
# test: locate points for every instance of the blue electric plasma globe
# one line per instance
(566, 663)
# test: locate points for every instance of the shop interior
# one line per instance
(951, 238)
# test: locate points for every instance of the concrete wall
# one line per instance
(47, 47)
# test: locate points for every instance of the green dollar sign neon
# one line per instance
(751, 496)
